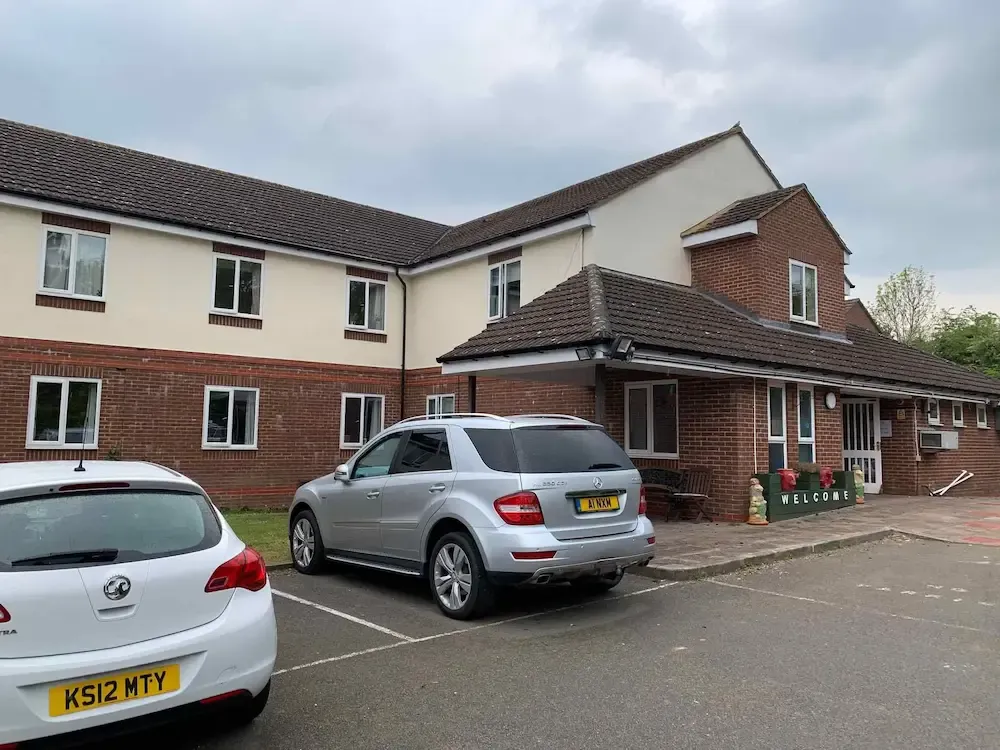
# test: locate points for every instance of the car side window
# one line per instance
(425, 450)
(377, 461)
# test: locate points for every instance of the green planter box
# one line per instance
(807, 481)
(804, 502)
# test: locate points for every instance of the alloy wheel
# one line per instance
(452, 576)
(303, 543)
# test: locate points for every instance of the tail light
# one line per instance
(520, 509)
(642, 500)
(245, 571)
(4, 617)
(533, 555)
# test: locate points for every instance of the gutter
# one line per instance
(402, 356)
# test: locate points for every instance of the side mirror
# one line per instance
(341, 473)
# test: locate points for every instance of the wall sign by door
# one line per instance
(885, 428)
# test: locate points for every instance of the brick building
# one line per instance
(254, 336)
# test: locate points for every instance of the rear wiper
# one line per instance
(68, 558)
(595, 467)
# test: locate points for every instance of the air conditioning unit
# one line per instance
(938, 440)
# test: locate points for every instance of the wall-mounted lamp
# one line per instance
(621, 348)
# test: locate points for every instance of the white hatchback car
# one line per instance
(126, 601)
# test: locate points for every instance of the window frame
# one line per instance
(33, 444)
(343, 414)
(438, 398)
(647, 385)
(984, 423)
(960, 422)
(502, 301)
(396, 468)
(234, 311)
(791, 315)
(71, 283)
(783, 438)
(347, 303)
(228, 445)
(936, 421)
(798, 420)
(361, 455)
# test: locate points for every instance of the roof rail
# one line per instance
(453, 415)
(551, 416)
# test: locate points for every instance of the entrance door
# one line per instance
(862, 441)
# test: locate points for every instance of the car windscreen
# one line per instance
(567, 449)
(100, 527)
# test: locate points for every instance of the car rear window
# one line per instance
(138, 524)
(552, 449)
(567, 449)
(495, 447)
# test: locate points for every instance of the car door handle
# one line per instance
(437, 488)
(373, 494)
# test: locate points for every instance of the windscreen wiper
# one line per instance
(595, 467)
(68, 558)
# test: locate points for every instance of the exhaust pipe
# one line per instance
(544, 578)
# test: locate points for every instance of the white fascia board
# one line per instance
(553, 230)
(516, 361)
(722, 233)
(681, 363)
(181, 231)
(847, 258)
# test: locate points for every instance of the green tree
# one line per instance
(905, 306)
(970, 338)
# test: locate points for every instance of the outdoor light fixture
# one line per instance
(584, 353)
(621, 348)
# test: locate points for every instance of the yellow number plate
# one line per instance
(597, 504)
(116, 688)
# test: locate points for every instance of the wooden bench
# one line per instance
(679, 487)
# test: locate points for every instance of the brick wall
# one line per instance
(828, 426)
(753, 271)
(152, 407)
(978, 452)
(899, 464)
(731, 268)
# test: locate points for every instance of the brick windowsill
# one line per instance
(236, 321)
(69, 303)
(350, 333)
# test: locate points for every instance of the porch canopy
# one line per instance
(601, 319)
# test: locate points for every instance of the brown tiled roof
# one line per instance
(565, 203)
(597, 304)
(744, 209)
(54, 166)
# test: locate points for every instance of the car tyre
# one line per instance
(597, 584)
(458, 579)
(306, 544)
(250, 711)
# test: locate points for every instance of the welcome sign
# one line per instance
(803, 502)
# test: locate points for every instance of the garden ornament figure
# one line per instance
(859, 484)
(758, 505)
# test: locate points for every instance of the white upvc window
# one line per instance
(365, 304)
(230, 418)
(651, 423)
(803, 300)
(361, 418)
(504, 289)
(933, 411)
(807, 425)
(63, 412)
(72, 263)
(441, 403)
(981, 416)
(777, 441)
(237, 284)
(957, 414)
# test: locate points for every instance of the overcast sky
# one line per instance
(888, 109)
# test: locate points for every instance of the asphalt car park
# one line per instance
(888, 645)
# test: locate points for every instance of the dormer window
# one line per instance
(802, 285)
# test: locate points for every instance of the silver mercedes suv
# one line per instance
(476, 501)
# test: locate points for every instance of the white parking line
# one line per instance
(848, 607)
(406, 640)
(338, 613)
